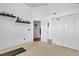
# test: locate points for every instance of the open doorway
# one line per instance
(36, 30)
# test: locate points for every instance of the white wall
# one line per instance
(12, 33)
(17, 9)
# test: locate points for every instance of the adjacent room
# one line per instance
(39, 29)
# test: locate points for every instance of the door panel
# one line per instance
(44, 30)
(76, 28)
(56, 31)
(70, 36)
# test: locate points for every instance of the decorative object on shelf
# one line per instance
(7, 14)
(54, 13)
(11, 14)
(22, 21)
(3, 12)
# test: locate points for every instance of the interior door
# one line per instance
(70, 32)
(44, 32)
(56, 31)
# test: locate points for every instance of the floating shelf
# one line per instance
(22, 21)
(7, 14)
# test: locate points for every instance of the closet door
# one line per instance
(56, 31)
(76, 34)
(44, 32)
(70, 31)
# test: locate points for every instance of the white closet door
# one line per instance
(69, 31)
(76, 35)
(44, 32)
(56, 31)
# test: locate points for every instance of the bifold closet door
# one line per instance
(77, 30)
(56, 31)
(44, 31)
(71, 31)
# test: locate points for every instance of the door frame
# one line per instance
(37, 39)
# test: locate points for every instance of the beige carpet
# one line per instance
(43, 49)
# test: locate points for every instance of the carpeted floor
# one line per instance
(43, 49)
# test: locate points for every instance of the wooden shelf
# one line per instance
(8, 15)
(17, 20)
(23, 22)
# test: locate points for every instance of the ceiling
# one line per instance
(36, 4)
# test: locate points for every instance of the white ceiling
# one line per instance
(36, 4)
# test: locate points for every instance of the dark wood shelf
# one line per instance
(8, 15)
(17, 20)
(23, 22)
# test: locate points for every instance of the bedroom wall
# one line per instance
(12, 33)
(19, 9)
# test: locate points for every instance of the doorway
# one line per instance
(36, 30)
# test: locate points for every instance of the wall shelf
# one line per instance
(22, 21)
(17, 20)
(7, 14)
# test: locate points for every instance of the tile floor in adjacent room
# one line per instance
(43, 49)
